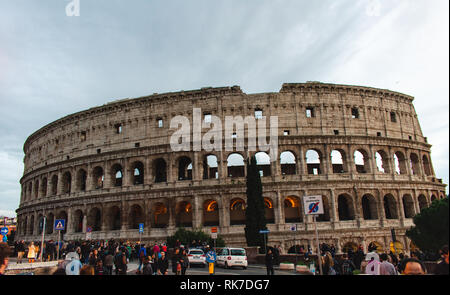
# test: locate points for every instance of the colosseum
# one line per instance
(111, 167)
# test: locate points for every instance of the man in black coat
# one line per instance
(269, 262)
(163, 264)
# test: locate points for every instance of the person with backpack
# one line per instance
(347, 265)
(142, 254)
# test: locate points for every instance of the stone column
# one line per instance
(380, 208)
(279, 212)
(196, 217)
(334, 212)
(124, 215)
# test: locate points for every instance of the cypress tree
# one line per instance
(254, 213)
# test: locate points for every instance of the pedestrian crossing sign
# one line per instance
(60, 224)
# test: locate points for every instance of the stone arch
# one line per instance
(36, 188)
(338, 161)
(237, 211)
(382, 161)
(40, 224)
(117, 175)
(235, 165)
(114, 218)
(138, 170)
(361, 160)
(426, 165)
(433, 198)
(160, 170)
(210, 213)
(390, 207)
(313, 161)
(31, 226)
(369, 207)
(183, 214)
(350, 247)
(423, 203)
(98, 177)
(346, 207)
(326, 210)
(94, 219)
(81, 180)
(44, 187)
(269, 210)
(414, 164)
(160, 215)
(292, 209)
(210, 167)
(136, 216)
(78, 221)
(54, 190)
(184, 165)
(263, 163)
(408, 206)
(49, 223)
(67, 182)
(400, 163)
(288, 163)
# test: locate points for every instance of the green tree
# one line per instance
(254, 213)
(186, 237)
(430, 232)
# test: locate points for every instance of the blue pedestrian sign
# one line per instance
(60, 224)
(4, 231)
(211, 257)
(141, 228)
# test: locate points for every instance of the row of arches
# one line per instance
(117, 176)
(160, 214)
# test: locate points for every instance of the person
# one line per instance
(442, 267)
(147, 269)
(87, 270)
(74, 266)
(386, 268)
(99, 269)
(141, 254)
(176, 263)
(31, 253)
(373, 265)
(347, 265)
(269, 262)
(163, 264)
(413, 266)
(328, 264)
(93, 257)
(20, 251)
(4, 257)
(156, 248)
(109, 262)
(123, 261)
(184, 262)
(276, 255)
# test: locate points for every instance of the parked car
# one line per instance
(197, 257)
(229, 257)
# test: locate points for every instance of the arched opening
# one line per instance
(422, 202)
(426, 165)
(94, 219)
(67, 182)
(210, 213)
(408, 206)
(345, 207)
(114, 218)
(117, 175)
(292, 210)
(210, 167)
(44, 187)
(54, 185)
(31, 227)
(235, 165)
(326, 211)
(350, 247)
(138, 173)
(184, 168)
(136, 216)
(183, 214)
(98, 177)
(400, 163)
(41, 224)
(49, 223)
(160, 170)
(337, 161)
(361, 159)
(382, 161)
(313, 162)
(161, 216)
(288, 163)
(78, 221)
(433, 198)
(81, 180)
(263, 163)
(268, 210)
(414, 164)
(237, 212)
(390, 207)
(369, 207)
(375, 246)
(36, 189)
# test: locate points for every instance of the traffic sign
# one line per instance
(60, 224)
(293, 227)
(214, 236)
(4, 231)
(141, 228)
(264, 231)
(313, 205)
(211, 257)
(213, 230)
(88, 229)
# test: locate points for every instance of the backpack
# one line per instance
(347, 268)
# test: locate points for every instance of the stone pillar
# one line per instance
(334, 212)
(124, 215)
(196, 217)
(279, 212)
(148, 171)
(107, 183)
(380, 208)
(84, 221)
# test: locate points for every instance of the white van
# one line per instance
(229, 257)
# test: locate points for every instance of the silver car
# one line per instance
(197, 257)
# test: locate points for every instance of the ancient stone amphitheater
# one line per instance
(111, 167)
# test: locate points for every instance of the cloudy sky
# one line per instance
(52, 64)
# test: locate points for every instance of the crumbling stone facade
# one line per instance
(111, 167)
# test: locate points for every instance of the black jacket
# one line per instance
(269, 260)
(163, 265)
